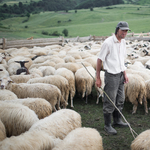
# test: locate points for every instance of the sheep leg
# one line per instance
(135, 105)
(98, 96)
(145, 105)
(86, 98)
(58, 105)
(72, 103)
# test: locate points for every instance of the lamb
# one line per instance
(37, 90)
(56, 80)
(35, 140)
(84, 82)
(59, 123)
(135, 90)
(2, 131)
(81, 139)
(23, 68)
(7, 95)
(141, 142)
(16, 118)
(68, 74)
(39, 105)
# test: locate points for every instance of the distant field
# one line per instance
(100, 22)
(10, 2)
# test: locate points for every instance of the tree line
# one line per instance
(52, 5)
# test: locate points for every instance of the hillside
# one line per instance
(100, 22)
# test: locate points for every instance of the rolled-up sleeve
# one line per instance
(103, 51)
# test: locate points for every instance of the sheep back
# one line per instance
(59, 123)
(16, 118)
(81, 138)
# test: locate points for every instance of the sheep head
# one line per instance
(4, 82)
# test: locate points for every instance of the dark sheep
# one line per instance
(23, 68)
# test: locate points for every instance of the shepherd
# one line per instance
(112, 55)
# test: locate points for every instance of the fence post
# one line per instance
(4, 43)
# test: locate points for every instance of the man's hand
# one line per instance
(98, 83)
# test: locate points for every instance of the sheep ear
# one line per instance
(10, 81)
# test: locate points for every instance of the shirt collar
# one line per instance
(115, 39)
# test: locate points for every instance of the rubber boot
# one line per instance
(117, 120)
(108, 128)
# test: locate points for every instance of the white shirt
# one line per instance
(112, 54)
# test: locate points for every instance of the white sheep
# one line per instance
(142, 141)
(47, 70)
(23, 78)
(16, 118)
(59, 123)
(135, 91)
(57, 80)
(148, 88)
(2, 131)
(37, 90)
(71, 66)
(2, 59)
(7, 95)
(3, 72)
(143, 74)
(81, 139)
(35, 140)
(45, 63)
(69, 75)
(92, 60)
(36, 71)
(69, 58)
(84, 82)
(19, 58)
(39, 105)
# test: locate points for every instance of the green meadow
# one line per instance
(100, 22)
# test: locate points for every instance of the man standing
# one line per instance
(112, 54)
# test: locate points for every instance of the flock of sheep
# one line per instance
(36, 83)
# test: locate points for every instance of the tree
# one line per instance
(65, 32)
(28, 15)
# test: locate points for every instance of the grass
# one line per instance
(92, 116)
(100, 22)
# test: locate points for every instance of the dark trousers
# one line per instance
(114, 87)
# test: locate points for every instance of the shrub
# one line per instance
(25, 21)
(45, 32)
(91, 9)
(65, 32)
(26, 26)
(58, 21)
(75, 11)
